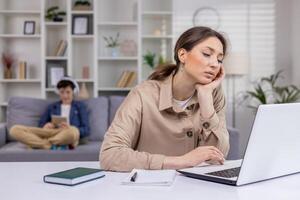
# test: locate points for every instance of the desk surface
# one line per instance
(24, 180)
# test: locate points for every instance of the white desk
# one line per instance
(25, 181)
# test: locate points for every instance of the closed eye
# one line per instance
(206, 54)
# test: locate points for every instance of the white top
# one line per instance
(18, 180)
(65, 111)
(182, 104)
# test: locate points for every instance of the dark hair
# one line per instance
(187, 41)
(65, 84)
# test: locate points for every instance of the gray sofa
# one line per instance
(27, 111)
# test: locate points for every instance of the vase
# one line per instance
(8, 73)
(85, 72)
(114, 51)
(83, 93)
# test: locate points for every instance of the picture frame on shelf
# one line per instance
(29, 28)
(80, 25)
(55, 70)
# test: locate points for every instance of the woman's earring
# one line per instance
(182, 67)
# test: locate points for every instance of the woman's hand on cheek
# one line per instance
(212, 85)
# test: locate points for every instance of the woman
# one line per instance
(176, 119)
(67, 134)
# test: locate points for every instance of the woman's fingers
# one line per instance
(215, 157)
(217, 150)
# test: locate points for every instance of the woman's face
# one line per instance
(204, 61)
(66, 95)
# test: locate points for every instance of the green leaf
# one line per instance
(149, 59)
(61, 13)
(53, 8)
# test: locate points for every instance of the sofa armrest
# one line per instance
(234, 140)
(2, 134)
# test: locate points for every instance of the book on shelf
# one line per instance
(61, 48)
(22, 70)
(131, 79)
(126, 79)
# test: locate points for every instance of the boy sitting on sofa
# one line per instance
(67, 134)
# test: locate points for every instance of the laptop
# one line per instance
(273, 149)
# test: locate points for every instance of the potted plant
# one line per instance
(53, 14)
(149, 59)
(8, 60)
(82, 5)
(112, 44)
(267, 91)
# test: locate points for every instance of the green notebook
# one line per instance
(74, 176)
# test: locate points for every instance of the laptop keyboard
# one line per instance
(227, 173)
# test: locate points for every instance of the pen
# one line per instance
(133, 178)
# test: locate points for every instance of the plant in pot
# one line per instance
(268, 91)
(53, 14)
(112, 44)
(8, 61)
(82, 5)
(150, 60)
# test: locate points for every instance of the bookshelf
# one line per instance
(134, 20)
(115, 61)
(156, 28)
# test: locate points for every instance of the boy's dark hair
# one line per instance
(65, 84)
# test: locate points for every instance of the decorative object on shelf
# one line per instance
(207, 16)
(81, 25)
(85, 72)
(55, 70)
(8, 61)
(157, 32)
(128, 48)
(29, 28)
(82, 5)
(163, 49)
(163, 27)
(53, 14)
(61, 48)
(83, 93)
(112, 44)
(22, 70)
(267, 91)
(150, 60)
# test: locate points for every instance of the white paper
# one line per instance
(56, 74)
(151, 177)
(81, 25)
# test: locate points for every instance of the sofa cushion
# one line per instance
(15, 151)
(98, 117)
(25, 111)
(115, 102)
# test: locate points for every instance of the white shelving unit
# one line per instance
(157, 31)
(20, 81)
(123, 20)
(13, 14)
(134, 20)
